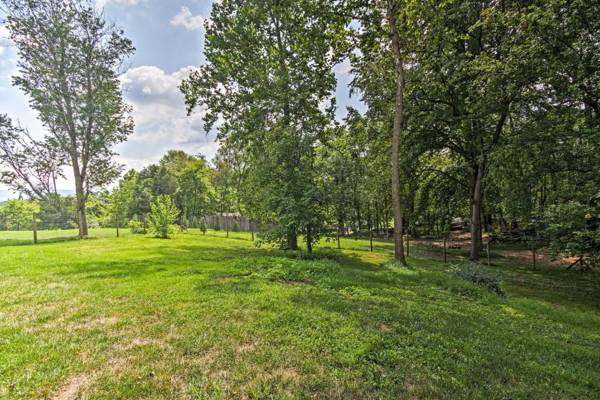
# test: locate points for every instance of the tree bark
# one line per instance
(476, 239)
(80, 199)
(34, 228)
(396, 133)
(309, 247)
(292, 239)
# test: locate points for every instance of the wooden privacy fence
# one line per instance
(232, 222)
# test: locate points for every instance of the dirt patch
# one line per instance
(178, 383)
(286, 374)
(203, 360)
(542, 257)
(385, 328)
(74, 388)
(247, 347)
(524, 256)
(140, 342)
(116, 365)
(93, 323)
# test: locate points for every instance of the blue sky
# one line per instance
(169, 37)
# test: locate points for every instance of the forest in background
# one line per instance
(485, 112)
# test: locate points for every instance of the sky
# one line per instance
(169, 38)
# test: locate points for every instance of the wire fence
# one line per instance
(39, 227)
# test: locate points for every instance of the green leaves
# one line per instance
(162, 217)
(18, 214)
(269, 81)
(573, 229)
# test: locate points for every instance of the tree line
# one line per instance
(483, 109)
(486, 110)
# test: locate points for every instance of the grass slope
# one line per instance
(203, 317)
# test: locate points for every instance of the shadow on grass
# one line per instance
(392, 321)
(227, 268)
(29, 242)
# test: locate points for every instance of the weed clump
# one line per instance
(481, 276)
(290, 270)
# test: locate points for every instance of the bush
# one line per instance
(482, 277)
(136, 226)
(573, 229)
(162, 217)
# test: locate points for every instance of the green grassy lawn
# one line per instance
(204, 317)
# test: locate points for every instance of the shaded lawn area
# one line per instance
(203, 317)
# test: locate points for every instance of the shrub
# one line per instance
(482, 277)
(136, 226)
(573, 229)
(162, 217)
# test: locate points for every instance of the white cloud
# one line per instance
(343, 68)
(160, 117)
(4, 32)
(101, 3)
(187, 20)
(8, 62)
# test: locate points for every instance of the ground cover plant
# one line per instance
(205, 317)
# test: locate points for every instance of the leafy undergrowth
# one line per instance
(202, 317)
(481, 276)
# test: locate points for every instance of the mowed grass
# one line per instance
(204, 317)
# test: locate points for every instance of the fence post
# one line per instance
(34, 227)
(445, 254)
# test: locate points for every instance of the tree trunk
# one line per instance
(309, 247)
(476, 240)
(117, 230)
(80, 199)
(340, 230)
(396, 134)
(34, 228)
(358, 216)
(83, 225)
(292, 239)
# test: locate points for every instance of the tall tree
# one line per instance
(119, 202)
(194, 191)
(269, 78)
(381, 51)
(68, 63)
(392, 20)
(477, 67)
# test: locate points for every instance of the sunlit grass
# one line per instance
(204, 317)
